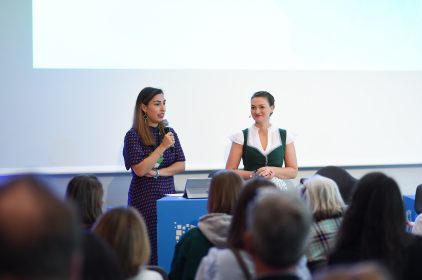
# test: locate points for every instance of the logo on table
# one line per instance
(181, 229)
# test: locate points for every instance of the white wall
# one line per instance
(349, 101)
(44, 121)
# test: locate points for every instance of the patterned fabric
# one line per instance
(323, 238)
(145, 191)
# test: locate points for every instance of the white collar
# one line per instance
(255, 128)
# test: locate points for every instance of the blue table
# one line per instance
(175, 216)
(409, 207)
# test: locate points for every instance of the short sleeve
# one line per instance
(290, 137)
(133, 150)
(237, 138)
(180, 155)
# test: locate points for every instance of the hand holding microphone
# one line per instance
(168, 139)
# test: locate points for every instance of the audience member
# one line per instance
(125, 231)
(373, 229)
(86, 193)
(212, 228)
(99, 260)
(360, 271)
(326, 205)
(277, 234)
(39, 235)
(233, 262)
(346, 183)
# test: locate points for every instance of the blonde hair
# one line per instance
(323, 197)
(125, 231)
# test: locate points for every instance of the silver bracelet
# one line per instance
(157, 173)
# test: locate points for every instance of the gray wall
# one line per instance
(116, 185)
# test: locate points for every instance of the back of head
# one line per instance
(224, 191)
(345, 182)
(125, 231)
(247, 194)
(376, 207)
(279, 223)
(99, 260)
(86, 193)
(323, 197)
(39, 236)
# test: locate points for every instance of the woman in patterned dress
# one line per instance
(154, 154)
(263, 148)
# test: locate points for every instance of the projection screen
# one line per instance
(346, 76)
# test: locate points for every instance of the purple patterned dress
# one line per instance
(145, 191)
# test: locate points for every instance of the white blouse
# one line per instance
(274, 139)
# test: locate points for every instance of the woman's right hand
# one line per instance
(168, 140)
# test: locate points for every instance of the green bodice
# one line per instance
(253, 158)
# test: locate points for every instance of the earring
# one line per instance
(145, 117)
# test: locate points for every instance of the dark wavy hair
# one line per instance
(374, 224)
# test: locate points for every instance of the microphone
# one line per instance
(167, 130)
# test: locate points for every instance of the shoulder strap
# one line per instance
(283, 136)
(245, 137)
(242, 264)
(245, 140)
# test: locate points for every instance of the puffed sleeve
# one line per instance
(237, 138)
(290, 137)
(180, 155)
(133, 150)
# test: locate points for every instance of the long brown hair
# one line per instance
(86, 193)
(224, 191)
(139, 122)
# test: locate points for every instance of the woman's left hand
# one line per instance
(266, 172)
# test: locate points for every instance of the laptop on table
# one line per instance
(197, 187)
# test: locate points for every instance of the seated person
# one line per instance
(278, 228)
(39, 234)
(212, 228)
(99, 260)
(326, 205)
(86, 193)
(373, 229)
(125, 231)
